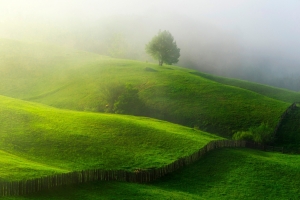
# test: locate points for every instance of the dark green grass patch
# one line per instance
(288, 134)
(239, 174)
(221, 174)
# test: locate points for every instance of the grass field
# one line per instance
(78, 80)
(289, 131)
(70, 140)
(18, 168)
(221, 174)
(60, 126)
(269, 91)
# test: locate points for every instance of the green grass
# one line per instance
(17, 168)
(38, 140)
(269, 91)
(77, 80)
(289, 132)
(221, 174)
(72, 140)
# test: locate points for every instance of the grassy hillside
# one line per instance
(29, 69)
(39, 139)
(269, 91)
(17, 168)
(62, 140)
(79, 81)
(289, 132)
(221, 174)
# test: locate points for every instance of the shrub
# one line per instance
(128, 102)
(262, 133)
(243, 135)
(122, 99)
(259, 134)
(111, 93)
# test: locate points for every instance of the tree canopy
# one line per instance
(163, 48)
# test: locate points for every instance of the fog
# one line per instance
(250, 39)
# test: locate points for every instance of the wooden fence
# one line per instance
(138, 176)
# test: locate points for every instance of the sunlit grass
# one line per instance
(37, 140)
(73, 140)
(221, 174)
(17, 168)
(76, 80)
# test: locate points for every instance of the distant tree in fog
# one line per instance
(163, 48)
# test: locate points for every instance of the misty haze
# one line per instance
(251, 40)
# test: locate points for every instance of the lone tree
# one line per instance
(163, 48)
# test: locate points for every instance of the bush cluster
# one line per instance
(260, 134)
(123, 99)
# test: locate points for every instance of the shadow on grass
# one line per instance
(237, 174)
(212, 169)
(221, 174)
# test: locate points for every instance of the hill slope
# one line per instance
(17, 168)
(79, 80)
(70, 140)
(289, 131)
(269, 91)
(221, 174)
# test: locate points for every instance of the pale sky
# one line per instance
(252, 20)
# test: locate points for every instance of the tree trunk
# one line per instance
(160, 62)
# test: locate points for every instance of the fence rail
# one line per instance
(138, 176)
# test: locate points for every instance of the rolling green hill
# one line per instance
(44, 90)
(269, 91)
(77, 80)
(289, 131)
(17, 168)
(62, 140)
(221, 174)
